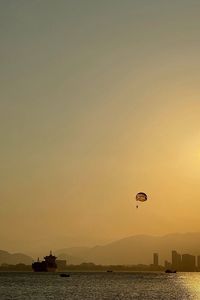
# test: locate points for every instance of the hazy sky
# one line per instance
(98, 100)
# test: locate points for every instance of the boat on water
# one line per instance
(47, 265)
(64, 275)
(109, 271)
(170, 271)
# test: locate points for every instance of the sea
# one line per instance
(92, 286)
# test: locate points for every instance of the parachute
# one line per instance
(141, 197)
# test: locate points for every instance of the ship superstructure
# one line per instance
(47, 265)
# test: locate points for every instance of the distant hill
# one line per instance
(13, 259)
(78, 256)
(135, 249)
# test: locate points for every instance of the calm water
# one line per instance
(100, 286)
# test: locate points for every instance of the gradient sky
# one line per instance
(99, 100)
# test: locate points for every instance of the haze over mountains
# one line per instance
(13, 259)
(131, 250)
(134, 250)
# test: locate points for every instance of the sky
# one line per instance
(98, 100)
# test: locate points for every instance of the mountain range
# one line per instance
(13, 259)
(136, 249)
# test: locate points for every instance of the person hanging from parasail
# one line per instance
(141, 197)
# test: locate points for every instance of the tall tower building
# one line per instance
(198, 262)
(155, 259)
(176, 260)
(188, 263)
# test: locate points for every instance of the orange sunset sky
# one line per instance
(99, 100)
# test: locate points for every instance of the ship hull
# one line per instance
(47, 265)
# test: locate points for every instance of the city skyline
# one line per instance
(127, 251)
(184, 262)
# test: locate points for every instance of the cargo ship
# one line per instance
(47, 265)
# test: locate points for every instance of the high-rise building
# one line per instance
(155, 259)
(198, 262)
(176, 260)
(188, 263)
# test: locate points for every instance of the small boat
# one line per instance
(170, 271)
(64, 275)
(109, 271)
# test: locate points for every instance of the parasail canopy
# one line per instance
(142, 197)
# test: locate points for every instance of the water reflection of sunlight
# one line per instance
(191, 282)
